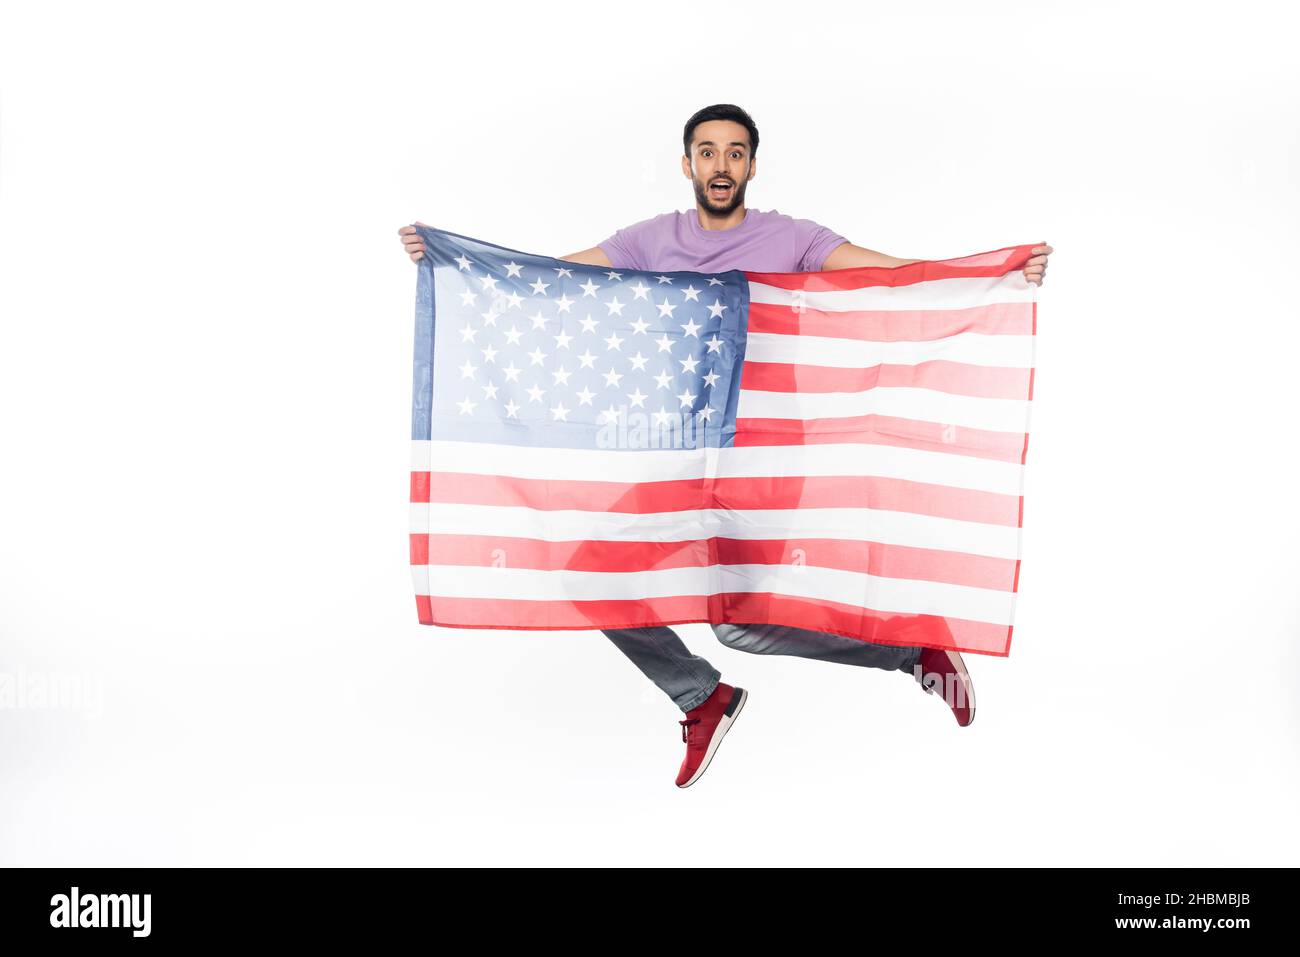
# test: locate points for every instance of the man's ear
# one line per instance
(686, 166)
(753, 168)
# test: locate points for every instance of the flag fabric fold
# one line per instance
(841, 451)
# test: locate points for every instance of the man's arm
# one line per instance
(847, 256)
(594, 256)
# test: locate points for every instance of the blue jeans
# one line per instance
(688, 679)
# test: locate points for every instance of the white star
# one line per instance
(539, 287)
(512, 373)
(560, 412)
(463, 262)
(637, 398)
(609, 415)
(561, 376)
(535, 394)
(562, 340)
(563, 303)
(466, 407)
(686, 397)
(690, 292)
(512, 410)
(613, 341)
(489, 281)
(489, 317)
(537, 355)
(512, 336)
(715, 282)
(614, 306)
(638, 362)
(662, 417)
(562, 271)
(613, 378)
(640, 325)
(704, 413)
(585, 396)
(614, 276)
(587, 359)
(689, 364)
(711, 378)
(468, 333)
(539, 321)
(664, 379)
(467, 370)
(514, 299)
(715, 345)
(664, 279)
(589, 288)
(691, 328)
(489, 354)
(666, 309)
(640, 289)
(513, 269)
(665, 344)
(715, 310)
(468, 297)
(588, 324)
(489, 391)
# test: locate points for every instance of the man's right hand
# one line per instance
(411, 240)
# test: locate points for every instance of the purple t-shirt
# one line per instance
(765, 241)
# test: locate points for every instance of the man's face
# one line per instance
(719, 155)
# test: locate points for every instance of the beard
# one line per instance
(726, 206)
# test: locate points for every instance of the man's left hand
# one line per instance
(1037, 265)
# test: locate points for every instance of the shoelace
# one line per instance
(684, 723)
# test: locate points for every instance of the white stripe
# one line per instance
(846, 524)
(971, 348)
(960, 293)
(916, 465)
(927, 405)
(858, 589)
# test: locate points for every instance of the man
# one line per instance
(721, 234)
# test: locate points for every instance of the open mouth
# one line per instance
(720, 189)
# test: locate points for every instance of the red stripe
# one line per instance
(883, 430)
(930, 631)
(881, 325)
(994, 263)
(767, 492)
(419, 486)
(419, 548)
(873, 558)
(941, 375)
(739, 608)
(465, 488)
(886, 561)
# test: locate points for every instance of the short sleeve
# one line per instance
(818, 242)
(622, 249)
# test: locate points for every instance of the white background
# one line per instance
(204, 423)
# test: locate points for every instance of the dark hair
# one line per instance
(721, 111)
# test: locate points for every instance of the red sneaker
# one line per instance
(943, 670)
(705, 726)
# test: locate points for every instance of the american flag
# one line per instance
(609, 448)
